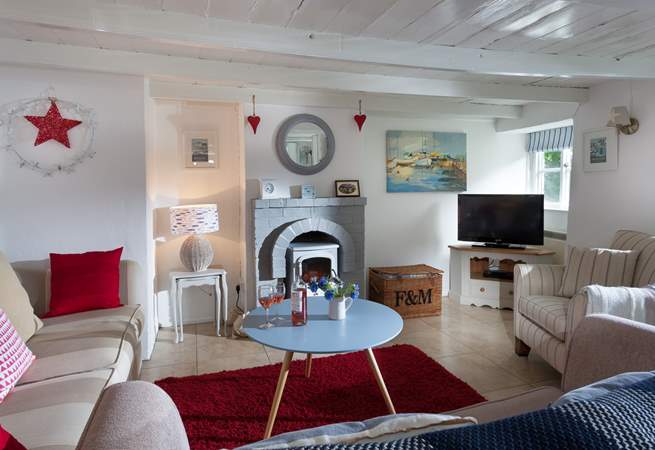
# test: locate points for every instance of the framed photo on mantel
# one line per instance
(347, 188)
(600, 149)
(200, 149)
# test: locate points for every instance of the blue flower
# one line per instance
(329, 295)
(313, 286)
(355, 294)
(322, 282)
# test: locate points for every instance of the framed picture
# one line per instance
(601, 150)
(426, 161)
(347, 188)
(200, 149)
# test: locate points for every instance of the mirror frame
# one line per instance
(280, 142)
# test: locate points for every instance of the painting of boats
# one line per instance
(426, 161)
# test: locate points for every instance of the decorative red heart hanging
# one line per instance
(254, 119)
(254, 122)
(360, 119)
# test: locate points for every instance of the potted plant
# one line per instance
(339, 294)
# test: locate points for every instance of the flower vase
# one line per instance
(338, 307)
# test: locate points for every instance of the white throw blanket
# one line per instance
(636, 304)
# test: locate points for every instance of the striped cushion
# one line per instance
(606, 267)
(109, 345)
(53, 414)
(15, 357)
(547, 312)
(643, 243)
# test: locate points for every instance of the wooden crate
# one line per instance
(412, 291)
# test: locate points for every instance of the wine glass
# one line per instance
(278, 298)
(266, 300)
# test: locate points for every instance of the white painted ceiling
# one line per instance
(598, 32)
(540, 26)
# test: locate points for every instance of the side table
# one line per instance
(209, 277)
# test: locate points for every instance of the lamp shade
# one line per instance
(194, 219)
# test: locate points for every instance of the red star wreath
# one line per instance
(52, 126)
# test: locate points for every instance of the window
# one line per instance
(550, 175)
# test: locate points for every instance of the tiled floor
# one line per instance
(476, 344)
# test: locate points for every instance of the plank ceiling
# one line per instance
(540, 26)
(550, 27)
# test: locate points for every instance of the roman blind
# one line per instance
(550, 140)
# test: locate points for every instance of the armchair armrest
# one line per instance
(604, 346)
(536, 279)
(636, 304)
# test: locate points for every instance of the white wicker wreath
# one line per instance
(18, 135)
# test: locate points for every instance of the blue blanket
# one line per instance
(621, 419)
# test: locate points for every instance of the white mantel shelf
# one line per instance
(308, 202)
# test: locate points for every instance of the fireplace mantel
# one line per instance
(308, 202)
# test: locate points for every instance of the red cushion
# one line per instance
(15, 357)
(8, 442)
(84, 281)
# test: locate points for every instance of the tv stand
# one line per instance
(499, 245)
(484, 276)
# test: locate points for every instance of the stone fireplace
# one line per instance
(325, 233)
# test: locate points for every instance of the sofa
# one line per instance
(77, 357)
(544, 322)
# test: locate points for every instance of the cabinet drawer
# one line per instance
(486, 289)
(507, 290)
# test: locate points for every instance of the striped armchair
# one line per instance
(543, 321)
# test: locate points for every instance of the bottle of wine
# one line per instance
(298, 299)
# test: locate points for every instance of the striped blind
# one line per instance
(551, 140)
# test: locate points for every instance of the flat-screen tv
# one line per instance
(501, 220)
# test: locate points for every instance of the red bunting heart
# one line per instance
(360, 119)
(254, 122)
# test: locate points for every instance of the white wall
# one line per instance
(556, 220)
(174, 184)
(407, 228)
(102, 205)
(602, 202)
(537, 115)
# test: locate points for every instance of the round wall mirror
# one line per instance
(305, 144)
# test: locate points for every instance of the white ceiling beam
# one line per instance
(211, 32)
(372, 104)
(14, 51)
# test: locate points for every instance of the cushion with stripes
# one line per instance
(606, 267)
(644, 243)
(15, 357)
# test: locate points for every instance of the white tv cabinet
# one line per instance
(469, 285)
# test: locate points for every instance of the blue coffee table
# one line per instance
(367, 325)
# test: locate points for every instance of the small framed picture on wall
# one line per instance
(347, 188)
(200, 149)
(601, 149)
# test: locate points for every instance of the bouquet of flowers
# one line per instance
(334, 287)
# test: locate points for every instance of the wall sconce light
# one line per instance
(620, 118)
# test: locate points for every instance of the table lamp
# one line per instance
(196, 252)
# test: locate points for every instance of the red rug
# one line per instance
(229, 409)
